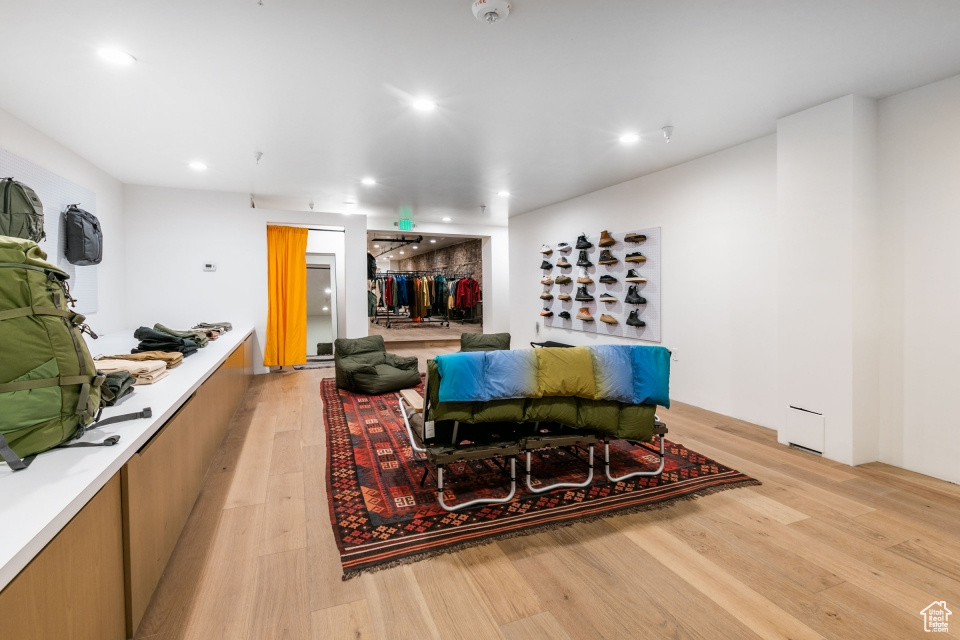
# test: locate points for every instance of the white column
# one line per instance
(827, 234)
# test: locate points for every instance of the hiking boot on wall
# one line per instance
(635, 238)
(608, 279)
(634, 320)
(563, 280)
(633, 297)
(584, 314)
(563, 246)
(605, 297)
(584, 277)
(563, 263)
(608, 319)
(546, 313)
(582, 294)
(584, 261)
(635, 257)
(547, 281)
(563, 296)
(564, 314)
(606, 240)
(633, 276)
(546, 295)
(546, 266)
(545, 250)
(606, 258)
(582, 242)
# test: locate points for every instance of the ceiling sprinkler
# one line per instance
(667, 133)
(491, 11)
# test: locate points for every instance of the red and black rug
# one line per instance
(381, 517)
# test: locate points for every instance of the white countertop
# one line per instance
(36, 503)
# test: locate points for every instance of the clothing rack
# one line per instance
(391, 319)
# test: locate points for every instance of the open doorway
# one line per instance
(427, 287)
(321, 312)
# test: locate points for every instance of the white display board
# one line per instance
(650, 269)
(57, 194)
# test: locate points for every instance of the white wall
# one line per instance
(827, 240)
(718, 218)
(172, 232)
(28, 143)
(920, 205)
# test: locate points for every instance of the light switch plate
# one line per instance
(209, 266)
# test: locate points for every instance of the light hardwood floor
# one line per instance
(819, 550)
(413, 331)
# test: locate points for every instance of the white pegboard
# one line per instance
(650, 312)
(57, 194)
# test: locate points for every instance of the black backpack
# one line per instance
(21, 212)
(83, 239)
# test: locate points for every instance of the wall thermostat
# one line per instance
(209, 266)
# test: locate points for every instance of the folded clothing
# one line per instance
(222, 327)
(171, 358)
(146, 372)
(116, 387)
(153, 340)
(197, 336)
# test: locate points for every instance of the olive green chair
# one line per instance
(364, 366)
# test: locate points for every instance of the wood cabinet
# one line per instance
(162, 480)
(73, 589)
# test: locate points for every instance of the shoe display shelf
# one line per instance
(649, 313)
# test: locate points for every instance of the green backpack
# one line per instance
(49, 385)
(21, 212)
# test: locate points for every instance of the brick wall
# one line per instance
(465, 257)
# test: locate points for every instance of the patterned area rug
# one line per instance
(381, 517)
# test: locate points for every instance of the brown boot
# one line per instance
(608, 319)
(584, 314)
(606, 240)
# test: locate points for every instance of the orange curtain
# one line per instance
(287, 296)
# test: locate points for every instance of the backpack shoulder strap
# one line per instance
(17, 463)
(11, 458)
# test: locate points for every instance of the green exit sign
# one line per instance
(405, 224)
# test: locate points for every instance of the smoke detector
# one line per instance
(491, 11)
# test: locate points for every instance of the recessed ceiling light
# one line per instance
(376, 246)
(433, 242)
(629, 138)
(369, 182)
(401, 253)
(390, 257)
(326, 308)
(115, 56)
(327, 290)
(503, 194)
(414, 247)
(446, 219)
(424, 104)
(196, 165)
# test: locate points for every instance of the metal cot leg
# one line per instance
(635, 474)
(562, 485)
(471, 503)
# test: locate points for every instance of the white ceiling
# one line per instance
(534, 104)
(422, 247)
